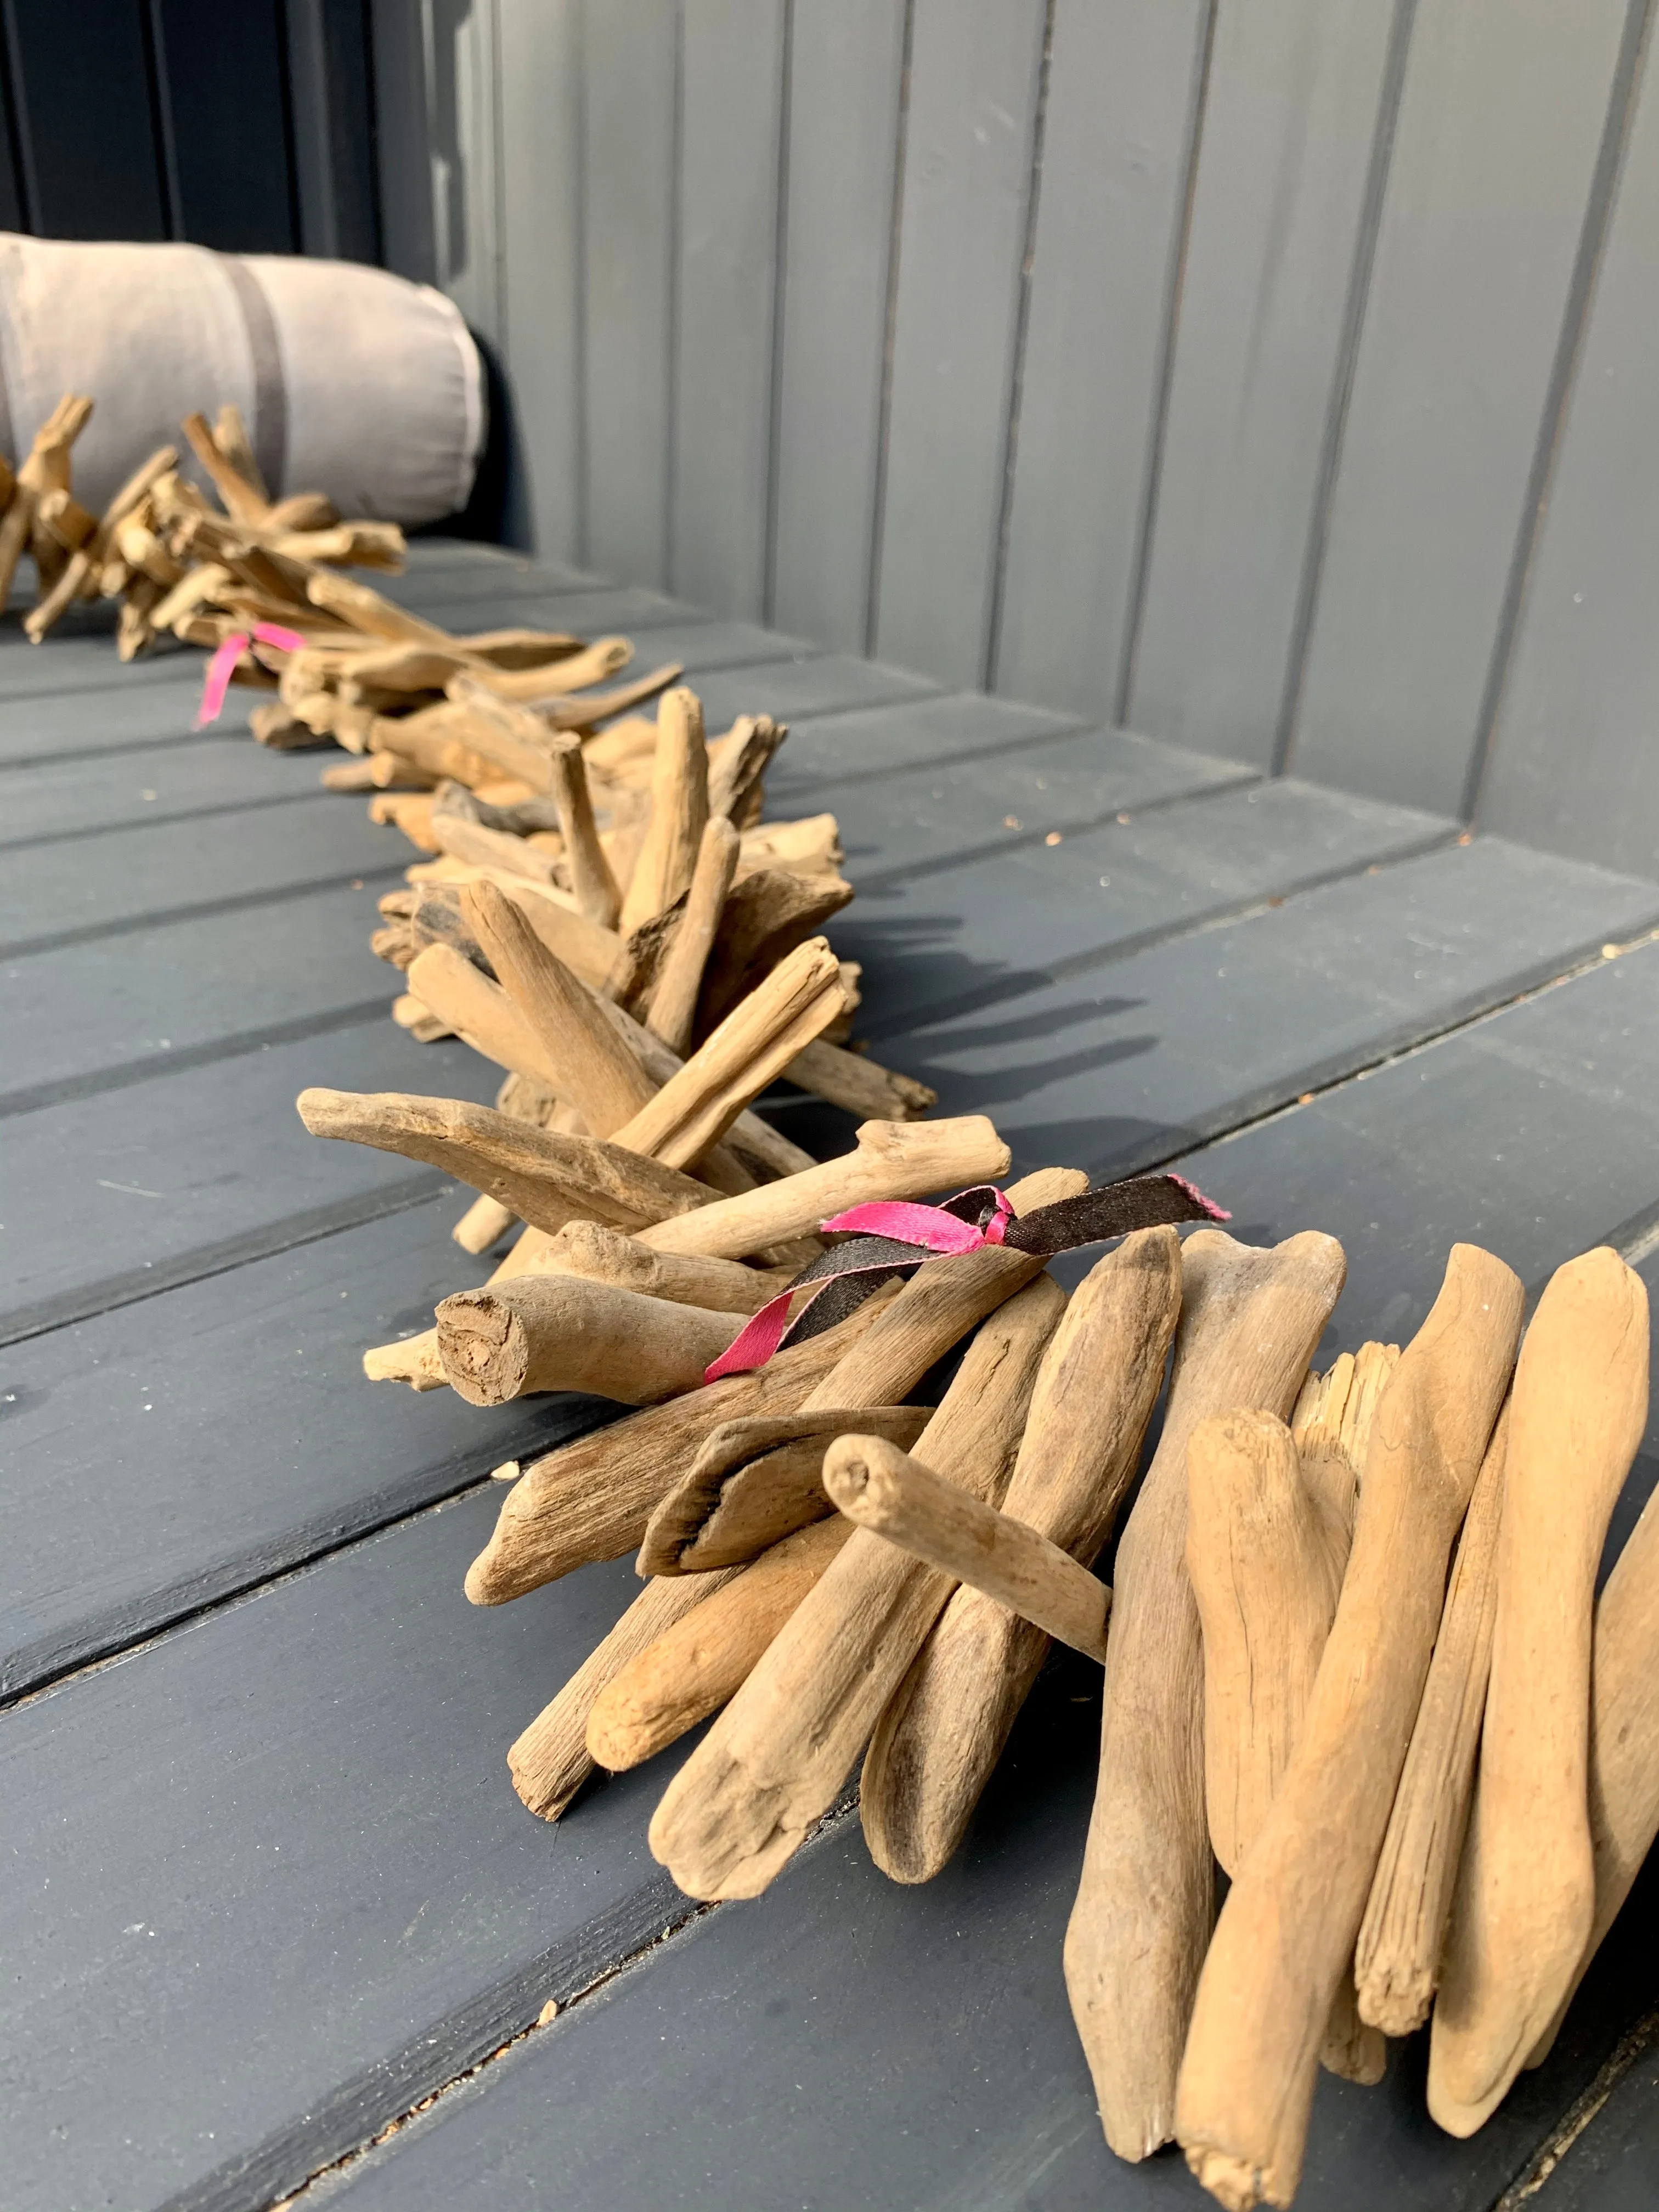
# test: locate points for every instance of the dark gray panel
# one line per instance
(1123, 86)
(103, 1012)
(965, 933)
(583, 611)
(227, 102)
(795, 689)
(1136, 1063)
(846, 59)
(69, 663)
(50, 892)
(1283, 155)
(269, 1882)
(832, 749)
(700, 645)
(202, 775)
(1573, 765)
(109, 1196)
(976, 66)
(731, 93)
(169, 1453)
(63, 724)
(1610, 2167)
(1500, 121)
(331, 82)
(93, 164)
(630, 154)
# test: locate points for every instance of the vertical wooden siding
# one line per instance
(1218, 366)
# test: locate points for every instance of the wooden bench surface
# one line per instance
(269, 1888)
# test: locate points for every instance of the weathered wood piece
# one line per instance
(1136, 1940)
(1285, 1936)
(858, 1085)
(605, 1256)
(888, 1491)
(765, 916)
(944, 1727)
(1397, 1957)
(695, 1666)
(550, 1760)
(1525, 1902)
(541, 1332)
(674, 1000)
(890, 1160)
(1331, 1428)
(771, 1763)
(485, 1222)
(756, 1481)
(596, 888)
(592, 1500)
(756, 1041)
(737, 764)
(545, 1176)
(679, 810)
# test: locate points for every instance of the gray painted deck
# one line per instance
(272, 1889)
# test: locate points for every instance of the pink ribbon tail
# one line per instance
(216, 683)
(930, 1225)
(286, 641)
(755, 1342)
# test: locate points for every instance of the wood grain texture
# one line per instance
(725, 281)
(974, 68)
(1500, 121)
(1122, 92)
(1283, 157)
(841, 141)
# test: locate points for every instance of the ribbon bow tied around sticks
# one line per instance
(222, 666)
(889, 1239)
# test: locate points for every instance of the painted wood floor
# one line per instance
(268, 1889)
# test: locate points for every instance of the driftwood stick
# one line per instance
(674, 1002)
(546, 1177)
(1397, 1958)
(771, 1763)
(606, 1255)
(756, 1041)
(890, 1160)
(593, 1067)
(737, 764)
(1623, 1736)
(485, 1222)
(892, 1494)
(767, 914)
(1525, 1903)
(1249, 1319)
(694, 1667)
(591, 1499)
(1285, 1939)
(858, 1085)
(945, 1727)
(756, 1140)
(597, 894)
(540, 1332)
(1331, 1429)
(679, 810)
(550, 1762)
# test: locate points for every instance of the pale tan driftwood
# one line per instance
(462, 839)
(542, 1332)
(597, 893)
(771, 1763)
(679, 809)
(755, 1043)
(890, 1160)
(1331, 1427)
(945, 1727)
(858, 1085)
(756, 1140)
(753, 1482)
(485, 1222)
(591, 1499)
(737, 767)
(1265, 1577)
(1525, 1902)
(1284, 1943)
(606, 1255)
(1397, 1958)
(550, 1760)
(1623, 1736)
(588, 711)
(766, 915)
(591, 1065)
(890, 1492)
(79, 572)
(243, 502)
(545, 1176)
(411, 1359)
(1266, 1549)
(1249, 1319)
(368, 611)
(674, 1000)
(692, 1669)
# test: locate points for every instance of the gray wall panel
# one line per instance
(842, 136)
(1283, 160)
(732, 74)
(1122, 85)
(1573, 764)
(1500, 121)
(974, 72)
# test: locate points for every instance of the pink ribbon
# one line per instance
(222, 666)
(930, 1226)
